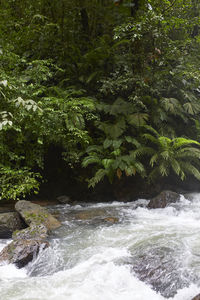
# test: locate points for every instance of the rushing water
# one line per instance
(145, 254)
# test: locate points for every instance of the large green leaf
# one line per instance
(137, 119)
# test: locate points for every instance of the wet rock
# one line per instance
(37, 232)
(196, 297)
(164, 199)
(34, 214)
(90, 214)
(21, 252)
(64, 199)
(9, 222)
(111, 220)
(159, 268)
(27, 242)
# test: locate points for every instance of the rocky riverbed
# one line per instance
(114, 250)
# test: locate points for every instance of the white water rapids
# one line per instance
(146, 254)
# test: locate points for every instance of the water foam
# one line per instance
(97, 261)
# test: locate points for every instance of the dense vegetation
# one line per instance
(114, 84)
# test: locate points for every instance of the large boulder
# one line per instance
(34, 214)
(196, 297)
(21, 252)
(164, 199)
(9, 222)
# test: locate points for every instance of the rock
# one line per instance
(27, 242)
(163, 199)
(21, 252)
(111, 220)
(9, 222)
(196, 297)
(37, 232)
(64, 199)
(34, 214)
(90, 214)
(159, 267)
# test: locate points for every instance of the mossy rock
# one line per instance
(38, 232)
(34, 214)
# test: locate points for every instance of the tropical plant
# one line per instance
(180, 155)
(107, 83)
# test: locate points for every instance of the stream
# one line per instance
(114, 251)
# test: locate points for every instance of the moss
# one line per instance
(15, 233)
(36, 218)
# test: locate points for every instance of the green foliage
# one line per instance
(17, 183)
(115, 157)
(33, 116)
(114, 87)
(176, 154)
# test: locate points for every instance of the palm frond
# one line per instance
(190, 169)
(154, 159)
(188, 152)
(179, 142)
(165, 154)
(177, 168)
(164, 142)
(164, 169)
(142, 151)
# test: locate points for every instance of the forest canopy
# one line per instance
(114, 85)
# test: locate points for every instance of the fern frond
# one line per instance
(129, 171)
(150, 138)
(107, 162)
(132, 141)
(99, 175)
(91, 160)
(139, 168)
(151, 129)
(94, 148)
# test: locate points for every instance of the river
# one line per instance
(114, 251)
